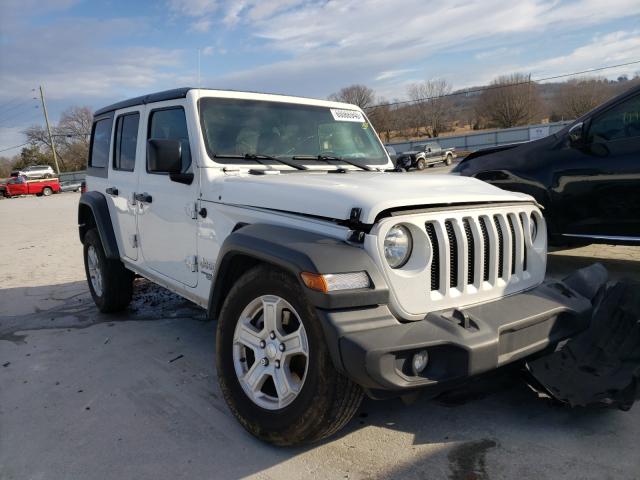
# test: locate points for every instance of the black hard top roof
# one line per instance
(144, 99)
(165, 95)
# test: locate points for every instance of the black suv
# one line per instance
(586, 176)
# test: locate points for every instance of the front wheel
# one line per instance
(110, 283)
(421, 163)
(274, 368)
(448, 160)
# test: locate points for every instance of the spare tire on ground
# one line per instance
(600, 366)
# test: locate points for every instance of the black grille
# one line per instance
(453, 254)
(487, 249)
(435, 254)
(496, 219)
(513, 245)
(470, 252)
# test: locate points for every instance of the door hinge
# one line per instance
(192, 263)
(134, 240)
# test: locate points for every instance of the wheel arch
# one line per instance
(294, 251)
(93, 211)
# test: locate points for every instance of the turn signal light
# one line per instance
(331, 282)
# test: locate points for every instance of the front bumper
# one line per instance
(374, 349)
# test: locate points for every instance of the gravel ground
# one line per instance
(83, 395)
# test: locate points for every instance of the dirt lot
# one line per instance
(83, 395)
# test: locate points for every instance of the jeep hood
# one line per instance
(333, 195)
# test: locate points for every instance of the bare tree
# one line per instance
(70, 136)
(359, 95)
(509, 101)
(430, 107)
(577, 97)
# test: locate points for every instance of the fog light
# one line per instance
(419, 361)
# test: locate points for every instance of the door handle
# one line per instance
(113, 191)
(143, 197)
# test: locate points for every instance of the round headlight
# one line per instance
(533, 227)
(397, 246)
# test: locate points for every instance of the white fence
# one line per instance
(475, 141)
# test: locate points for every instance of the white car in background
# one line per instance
(35, 171)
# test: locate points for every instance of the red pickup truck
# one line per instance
(21, 186)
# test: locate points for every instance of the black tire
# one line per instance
(421, 164)
(327, 399)
(117, 281)
(46, 191)
(47, 175)
(448, 160)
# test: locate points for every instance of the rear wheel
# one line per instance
(274, 368)
(47, 175)
(110, 283)
(46, 191)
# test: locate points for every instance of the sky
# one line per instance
(96, 52)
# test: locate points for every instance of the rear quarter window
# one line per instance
(100, 141)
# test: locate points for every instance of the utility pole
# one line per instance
(46, 119)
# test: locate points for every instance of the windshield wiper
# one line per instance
(257, 157)
(328, 158)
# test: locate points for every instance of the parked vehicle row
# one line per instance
(586, 176)
(329, 276)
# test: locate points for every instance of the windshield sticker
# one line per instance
(365, 125)
(342, 115)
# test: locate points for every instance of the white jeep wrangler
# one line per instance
(329, 275)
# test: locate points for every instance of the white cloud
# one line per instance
(70, 68)
(611, 49)
(389, 74)
(208, 51)
(201, 26)
(330, 44)
(497, 53)
(193, 8)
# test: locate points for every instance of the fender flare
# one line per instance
(297, 251)
(96, 203)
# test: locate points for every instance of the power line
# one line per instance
(492, 87)
(19, 115)
(6, 104)
(15, 146)
(24, 105)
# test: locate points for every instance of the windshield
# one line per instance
(286, 130)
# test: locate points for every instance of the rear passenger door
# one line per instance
(126, 160)
(167, 209)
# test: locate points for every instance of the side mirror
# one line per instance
(576, 135)
(164, 155)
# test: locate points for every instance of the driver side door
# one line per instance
(599, 186)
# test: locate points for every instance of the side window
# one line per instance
(621, 121)
(171, 124)
(126, 141)
(100, 140)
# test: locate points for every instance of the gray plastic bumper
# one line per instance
(375, 350)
